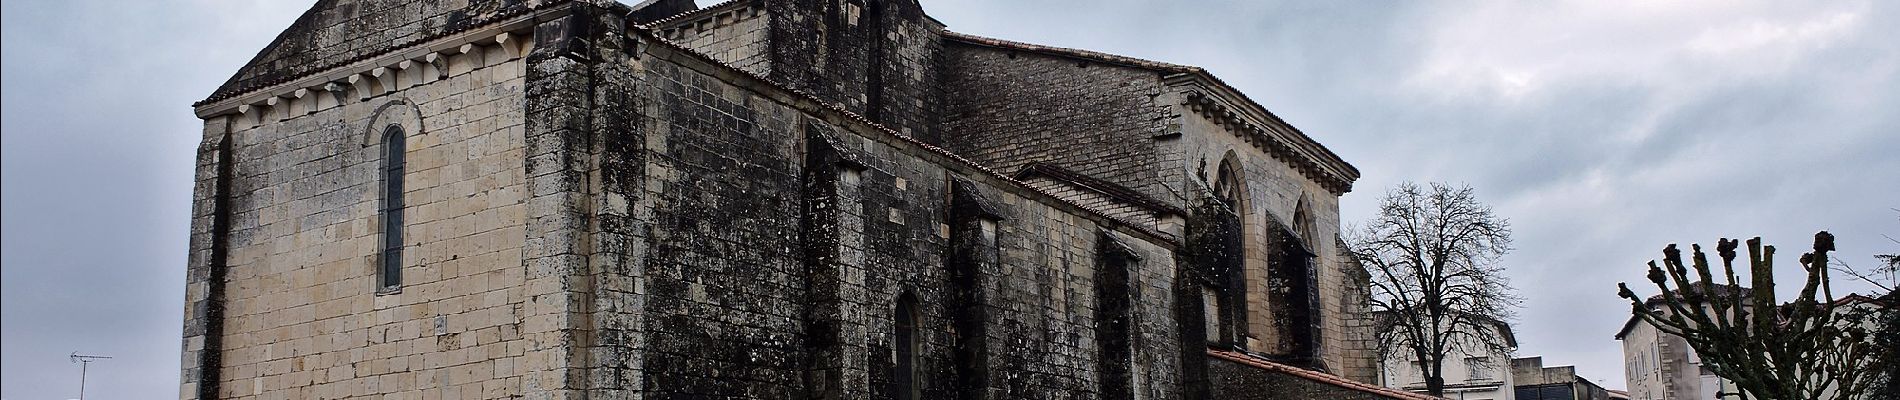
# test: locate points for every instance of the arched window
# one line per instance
(906, 346)
(1303, 223)
(1227, 186)
(394, 150)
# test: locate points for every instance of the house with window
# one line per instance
(1534, 381)
(1661, 366)
(1472, 371)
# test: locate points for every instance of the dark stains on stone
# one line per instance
(713, 237)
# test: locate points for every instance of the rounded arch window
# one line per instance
(395, 150)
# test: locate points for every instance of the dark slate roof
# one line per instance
(337, 32)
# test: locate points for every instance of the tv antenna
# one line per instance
(84, 361)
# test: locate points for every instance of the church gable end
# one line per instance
(335, 32)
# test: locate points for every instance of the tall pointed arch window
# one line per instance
(1227, 186)
(389, 274)
(905, 344)
(1303, 223)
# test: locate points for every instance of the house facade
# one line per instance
(1534, 381)
(1660, 366)
(1471, 371)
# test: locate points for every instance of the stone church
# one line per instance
(771, 199)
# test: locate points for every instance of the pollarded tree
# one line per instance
(1432, 254)
(1810, 348)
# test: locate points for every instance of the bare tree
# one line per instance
(1887, 385)
(1811, 347)
(1892, 261)
(1432, 253)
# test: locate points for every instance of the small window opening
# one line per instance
(394, 150)
(906, 345)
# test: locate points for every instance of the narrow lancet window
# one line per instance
(393, 159)
(906, 345)
(1227, 187)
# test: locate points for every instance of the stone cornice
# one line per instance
(491, 44)
(734, 13)
(707, 18)
(1253, 124)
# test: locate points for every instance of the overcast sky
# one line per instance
(1604, 130)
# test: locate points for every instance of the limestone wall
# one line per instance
(332, 33)
(1128, 126)
(735, 35)
(874, 58)
(1007, 110)
(738, 303)
(601, 214)
(303, 315)
(1275, 193)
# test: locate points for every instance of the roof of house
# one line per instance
(1653, 300)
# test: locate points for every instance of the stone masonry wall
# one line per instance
(736, 36)
(1008, 109)
(728, 311)
(610, 216)
(1274, 192)
(1359, 350)
(1097, 201)
(338, 31)
(876, 58)
(303, 317)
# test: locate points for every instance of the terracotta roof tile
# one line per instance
(1320, 377)
(694, 14)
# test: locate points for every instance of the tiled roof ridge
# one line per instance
(694, 14)
(1090, 182)
(1315, 376)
